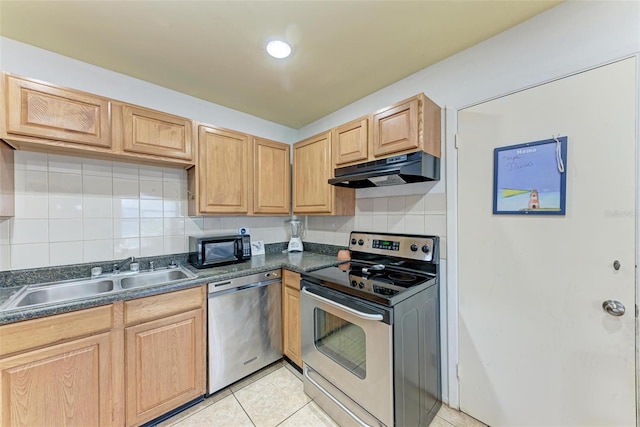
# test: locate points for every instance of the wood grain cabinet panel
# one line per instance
(271, 177)
(36, 109)
(150, 132)
(7, 186)
(291, 317)
(224, 175)
(312, 168)
(67, 384)
(351, 142)
(164, 365)
(408, 126)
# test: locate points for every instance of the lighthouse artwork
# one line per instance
(528, 179)
(534, 203)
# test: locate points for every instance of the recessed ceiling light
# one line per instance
(278, 49)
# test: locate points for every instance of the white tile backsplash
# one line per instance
(65, 206)
(97, 228)
(29, 256)
(70, 210)
(65, 253)
(65, 230)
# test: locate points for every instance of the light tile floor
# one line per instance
(274, 397)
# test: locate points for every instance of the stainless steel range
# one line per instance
(371, 332)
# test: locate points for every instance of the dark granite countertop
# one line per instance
(300, 262)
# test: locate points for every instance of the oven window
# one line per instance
(341, 341)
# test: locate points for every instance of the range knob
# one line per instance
(414, 247)
(361, 285)
(426, 249)
(361, 242)
(354, 283)
(354, 241)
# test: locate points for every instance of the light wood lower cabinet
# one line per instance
(164, 365)
(57, 371)
(120, 364)
(291, 317)
(165, 353)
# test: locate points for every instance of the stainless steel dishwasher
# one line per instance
(245, 326)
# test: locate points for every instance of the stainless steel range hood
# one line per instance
(402, 169)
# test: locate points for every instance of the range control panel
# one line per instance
(423, 248)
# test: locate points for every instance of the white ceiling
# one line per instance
(214, 50)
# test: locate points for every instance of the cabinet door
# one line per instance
(7, 187)
(223, 160)
(272, 177)
(61, 385)
(395, 129)
(164, 366)
(45, 111)
(154, 133)
(351, 142)
(312, 168)
(291, 314)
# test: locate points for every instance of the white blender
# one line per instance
(295, 243)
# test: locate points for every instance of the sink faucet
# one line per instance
(118, 266)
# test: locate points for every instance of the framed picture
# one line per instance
(531, 178)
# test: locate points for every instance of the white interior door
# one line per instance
(536, 346)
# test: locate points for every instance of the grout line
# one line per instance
(244, 410)
(295, 412)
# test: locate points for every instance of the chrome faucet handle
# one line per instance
(173, 264)
(152, 266)
(115, 270)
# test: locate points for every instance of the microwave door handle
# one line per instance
(365, 316)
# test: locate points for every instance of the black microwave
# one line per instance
(211, 251)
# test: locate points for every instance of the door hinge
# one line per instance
(455, 140)
(636, 311)
(458, 369)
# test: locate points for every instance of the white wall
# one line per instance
(30, 61)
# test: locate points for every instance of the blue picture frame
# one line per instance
(530, 178)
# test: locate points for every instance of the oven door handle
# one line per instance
(356, 418)
(356, 313)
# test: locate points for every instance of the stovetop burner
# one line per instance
(385, 268)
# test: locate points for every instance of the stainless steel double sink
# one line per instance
(70, 290)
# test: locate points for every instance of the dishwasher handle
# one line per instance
(216, 293)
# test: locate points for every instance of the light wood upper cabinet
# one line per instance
(291, 316)
(351, 142)
(408, 126)
(148, 132)
(58, 370)
(56, 115)
(239, 174)
(271, 177)
(165, 353)
(224, 174)
(312, 168)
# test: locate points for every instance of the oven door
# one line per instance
(347, 343)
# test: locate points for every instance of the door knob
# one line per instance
(614, 308)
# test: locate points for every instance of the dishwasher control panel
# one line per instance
(244, 282)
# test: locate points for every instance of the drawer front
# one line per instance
(156, 306)
(35, 333)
